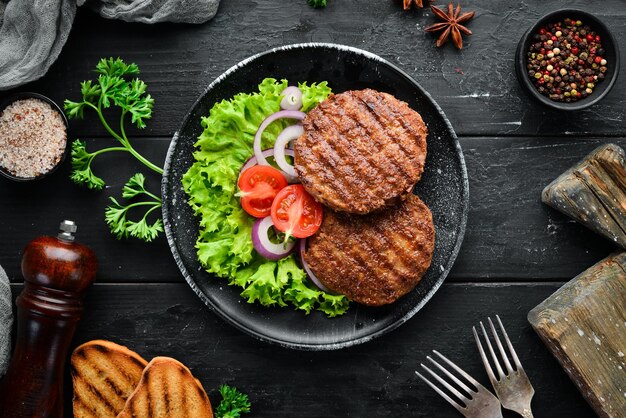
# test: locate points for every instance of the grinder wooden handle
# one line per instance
(57, 271)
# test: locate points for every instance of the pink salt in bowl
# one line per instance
(42, 127)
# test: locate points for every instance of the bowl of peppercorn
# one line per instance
(568, 60)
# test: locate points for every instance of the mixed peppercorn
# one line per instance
(566, 60)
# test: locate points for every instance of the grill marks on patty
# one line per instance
(360, 154)
(360, 151)
(377, 258)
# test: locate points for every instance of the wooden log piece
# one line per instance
(593, 192)
(584, 326)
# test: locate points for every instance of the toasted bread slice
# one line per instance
(104, 375)
(167, 389)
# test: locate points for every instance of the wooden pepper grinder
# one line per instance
(57, 271)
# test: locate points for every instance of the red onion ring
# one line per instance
(307, 269)
(267, 153)
(289, 114)
(263, 245)
(292, 99)
(288, 134)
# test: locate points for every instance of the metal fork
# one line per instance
(513, 388)
(479, 403)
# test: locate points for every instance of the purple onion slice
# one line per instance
(292, 98)
(288, 114)
(307, 269)
(288, 134)
(264, 246)
(250, 162)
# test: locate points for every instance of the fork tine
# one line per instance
(508, 343)
(500, 347)
(441, 393)
(459, 370)
(493, 353)
(454, 379)
(483, 356)
(447, 385)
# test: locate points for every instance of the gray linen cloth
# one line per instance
(33, 32)
(6, 321)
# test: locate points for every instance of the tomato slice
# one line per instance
(296, 213)
(258, 187)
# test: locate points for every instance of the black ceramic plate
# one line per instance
(443, 187)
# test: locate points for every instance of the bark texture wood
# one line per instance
(594, 192)
(584, 325)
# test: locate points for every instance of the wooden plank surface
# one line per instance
(476, 87)
(512, 148)
(376, 379)
(510, 235)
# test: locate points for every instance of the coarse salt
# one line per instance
(33, 137)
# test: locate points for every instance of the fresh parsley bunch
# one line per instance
(234, 403)
(317, 4)
(114, 87)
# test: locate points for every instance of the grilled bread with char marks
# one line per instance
(360, 151)
(167, 390)
(373, 259)
(104, 374)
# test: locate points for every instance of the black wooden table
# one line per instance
(516, 250)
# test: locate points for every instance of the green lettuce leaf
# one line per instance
(224, 244)
(312, 95)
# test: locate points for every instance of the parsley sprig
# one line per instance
(115, 87)
(233, 404)
(116, 215)
(317, 4)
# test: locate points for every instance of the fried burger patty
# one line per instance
(360, 151)
(377, 258)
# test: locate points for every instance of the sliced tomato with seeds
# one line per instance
(258, 187)
(295, 212)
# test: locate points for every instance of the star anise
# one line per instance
(408, 3)
(451, 25)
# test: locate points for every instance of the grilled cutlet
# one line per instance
(167, 390)
(104, 374)
(377, 258)
(360, 151)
